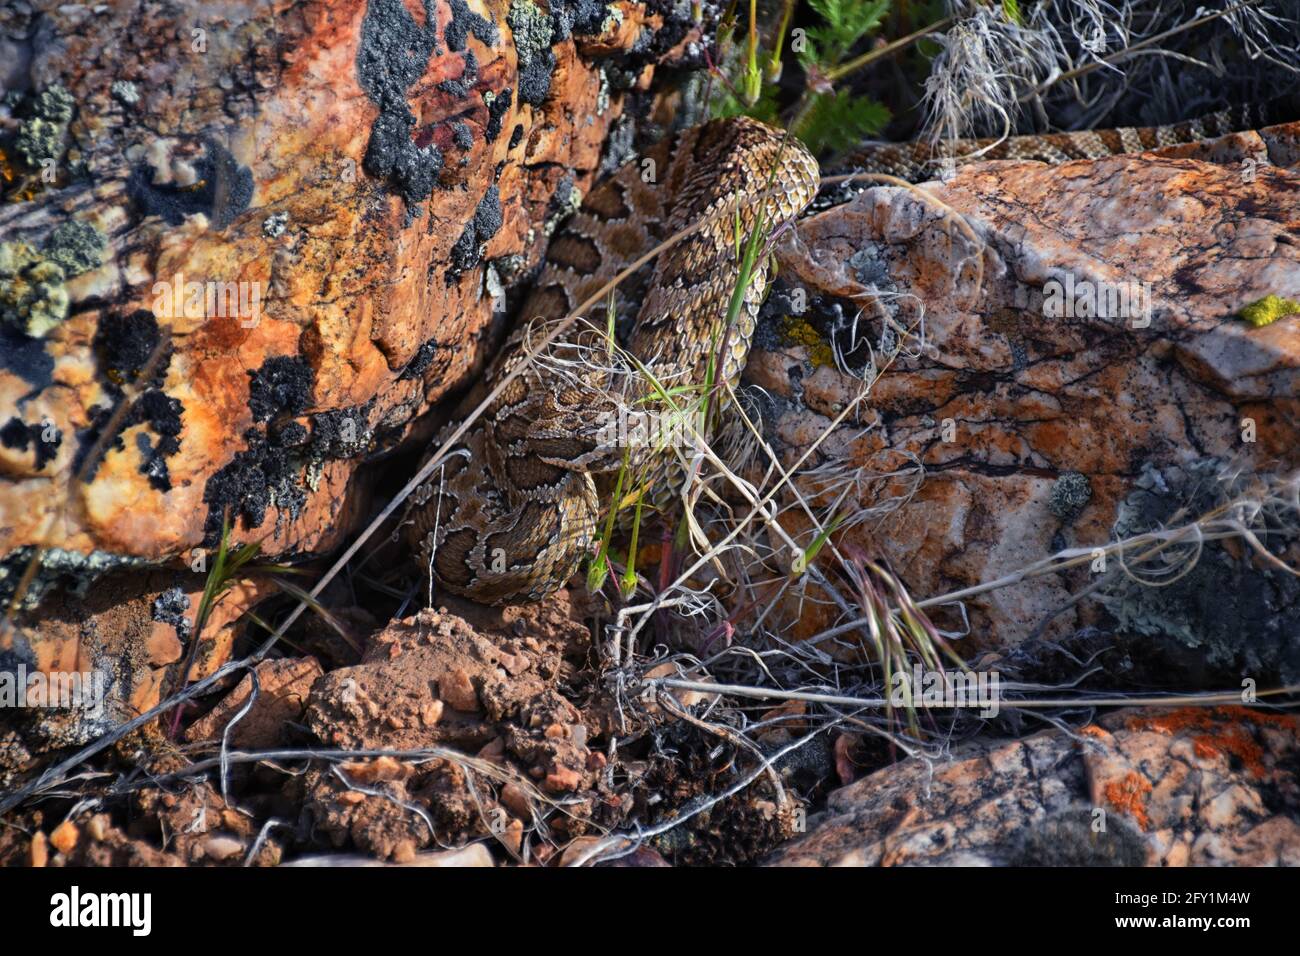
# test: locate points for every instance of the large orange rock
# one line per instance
(242, 249)
(1002, 433)
(306, 213)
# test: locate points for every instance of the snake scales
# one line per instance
(517, 502)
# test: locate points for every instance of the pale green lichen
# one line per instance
(533, 32)
(613, 18)
(125, 91)
(1268, 310)
(40, 137)
(33, 298)
(77, 247)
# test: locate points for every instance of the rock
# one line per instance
(1009, 435)
(64, 837)
(376, 771)
(283, 687)
(126, 637)
(686, 699)
(40, 850)
(457, 691)
(221, 847)
(521, 723)
(1189, 787)
(226, 190)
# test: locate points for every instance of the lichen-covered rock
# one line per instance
(245, 247)
(276, 226)
(1192, 787)
(1007, 429)
(124, 640)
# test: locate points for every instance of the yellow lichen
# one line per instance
(1268, 310)
(799, 331)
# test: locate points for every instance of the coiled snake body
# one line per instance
(515, 506)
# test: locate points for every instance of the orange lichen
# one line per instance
(1129, 794)
(1218, 732)
(1092, 730)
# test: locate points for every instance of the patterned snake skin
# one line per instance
(918, 161)
(516, 505)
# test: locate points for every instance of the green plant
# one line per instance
(824, 118)
(227, 568)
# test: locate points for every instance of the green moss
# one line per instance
(1269, 309)
(76, 246)
(33, 298)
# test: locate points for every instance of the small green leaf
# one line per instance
(839, 121)
(809, 555)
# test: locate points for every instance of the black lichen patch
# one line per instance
(21, 436)
(169, 607)
(533, 33)
(464, 22)
(516, 135)
(162, 414)
(420, 363)
(497, 109)
(222, 191)
(461, 135)
(468, 250)
(254, 480)
(152, 464)
(123, 345)
(578, 16)
(394, 53)
(156, 409)
(290, 434)
(282, 384)
(25, 357)
(341, 433)
(270, 472)
(14, 434)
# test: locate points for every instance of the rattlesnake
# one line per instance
(920, 160)
(515, 506)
